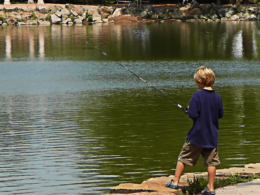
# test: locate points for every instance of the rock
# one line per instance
(235, 18)
(117, 12)
(77, 21)
(104, 15)
(80, 18)
(252, 17)
(97, 17)
(144, 14)
(187, 7)
(18, 17)
(155, 185)
(84, 15)
(58, 14)
(230, 13)
(203, 17)
(1, 22)
(241, 15)
(105, 20)
(214, 16)
(11, 22)
(21, 23)
(42, 10)
(69, 6)
(32, 22)
(43, 23)
(252, 9)
(177, 15)
(4, 24)
(79, 10)
(66, 21)
(224, 19)
(155, 16)
(65, 12)
(73, 12)
(54, 9)
(55, 19)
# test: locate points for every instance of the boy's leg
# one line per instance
(211, 160)
(189, 155)
(211, 177)
(178, 172)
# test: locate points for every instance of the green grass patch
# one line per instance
(200, 183)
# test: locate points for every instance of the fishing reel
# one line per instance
(186, 110)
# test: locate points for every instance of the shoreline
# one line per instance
(155, 186)
(69, 14)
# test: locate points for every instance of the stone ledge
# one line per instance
(155, 186)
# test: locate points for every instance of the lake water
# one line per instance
(72, 121)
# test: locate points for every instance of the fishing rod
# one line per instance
(149, 84)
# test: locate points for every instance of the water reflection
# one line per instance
(152, 41)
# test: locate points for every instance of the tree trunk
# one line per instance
(7, 2)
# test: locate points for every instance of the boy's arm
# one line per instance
(194, 108)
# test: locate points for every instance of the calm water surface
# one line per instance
(72, 121)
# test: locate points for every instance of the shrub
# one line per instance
(72, 18)
(33, 16)
(200, 183)
(48, 18)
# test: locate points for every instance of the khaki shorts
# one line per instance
(190, 154)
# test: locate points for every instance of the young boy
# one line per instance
(205, 109)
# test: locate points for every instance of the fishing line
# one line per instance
(149, 84)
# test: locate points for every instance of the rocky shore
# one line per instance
(155, 186)
(68, 14)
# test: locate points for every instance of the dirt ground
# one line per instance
(32, 6)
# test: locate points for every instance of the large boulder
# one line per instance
(43, 23)
(54, 9)
(79, 10)
(32, 22)
(234, 18)
(251, 17)
(69, 6)
(11, 21)
(18, 17)
(66, 21)
(42, 9)
(144, 14)
(230, 13)
(177, 15)
(55, 19)
(77, 21)
(58, 14)
(73, 12)
(97, 17)
(65, 12)
(21, 24)
(117, 12)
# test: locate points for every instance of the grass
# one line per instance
(199, 184)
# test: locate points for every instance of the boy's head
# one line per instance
(204, 76)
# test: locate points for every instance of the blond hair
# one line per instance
(204, 76)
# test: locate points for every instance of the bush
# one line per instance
(48, 18)
(33, 16)
(72, 18)
(200, 183)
